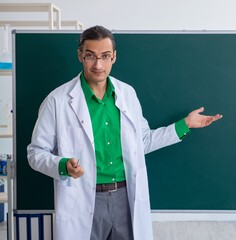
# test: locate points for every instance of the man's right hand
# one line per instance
(73, 168)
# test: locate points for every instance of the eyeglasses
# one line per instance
(91, 58)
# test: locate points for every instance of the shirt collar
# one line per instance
(88, 92)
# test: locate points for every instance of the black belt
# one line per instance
(110, 187)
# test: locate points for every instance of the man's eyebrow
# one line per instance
(87, 50)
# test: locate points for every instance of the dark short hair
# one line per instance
(96, 33)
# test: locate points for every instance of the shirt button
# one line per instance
(111, 162)
(106, 123)
(113, 179)
(108, 143)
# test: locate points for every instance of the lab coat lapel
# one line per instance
(79, 106)
(120, 103)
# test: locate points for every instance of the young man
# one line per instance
(91, 138)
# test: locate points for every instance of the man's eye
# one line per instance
(105, 56)
(89, 56)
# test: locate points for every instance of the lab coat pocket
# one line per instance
(65, 202)
(72, 139)
(142, 192)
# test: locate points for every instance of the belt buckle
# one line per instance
(114, 189)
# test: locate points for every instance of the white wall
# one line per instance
(152, 14)
(149, 14)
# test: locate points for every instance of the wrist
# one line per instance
(187, 121)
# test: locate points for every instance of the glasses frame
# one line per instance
(103, 60)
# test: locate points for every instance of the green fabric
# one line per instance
(105, 117)
(181, 128)
(62, 167)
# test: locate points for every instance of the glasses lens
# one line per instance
(91, 58)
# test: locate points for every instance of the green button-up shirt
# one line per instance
(105, 118)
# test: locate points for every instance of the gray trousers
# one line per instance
(112, 219)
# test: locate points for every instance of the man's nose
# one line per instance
(98, 62)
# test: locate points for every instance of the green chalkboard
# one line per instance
(173, 73)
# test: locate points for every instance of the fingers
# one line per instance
(73, 168)
(197, 120)
(214, 118)
(74, 162)
(76, 172)
(199, 110)
(210, 119)
(218, 116)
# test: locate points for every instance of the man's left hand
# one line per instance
(197, 120)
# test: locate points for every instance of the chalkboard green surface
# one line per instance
(173, 73)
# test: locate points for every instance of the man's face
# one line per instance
(97, 57)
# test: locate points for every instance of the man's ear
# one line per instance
(114, 57)
(80, 57)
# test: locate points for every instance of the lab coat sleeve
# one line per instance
(154, 139)
(42, 151)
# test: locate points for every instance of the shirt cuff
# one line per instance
(181, 128)
(62, 167)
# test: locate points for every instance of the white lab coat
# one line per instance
(63, 129)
